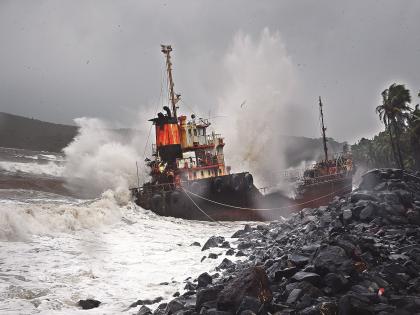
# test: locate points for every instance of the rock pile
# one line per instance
(358, 255)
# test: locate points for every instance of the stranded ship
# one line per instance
(189, 178)
(327, 178)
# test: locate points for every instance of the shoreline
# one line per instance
(360, 254)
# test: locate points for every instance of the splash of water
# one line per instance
(98, 160)
(262, 81)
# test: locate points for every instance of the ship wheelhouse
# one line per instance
(185, 151)
(202, 153)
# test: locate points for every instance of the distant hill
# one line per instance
(26, 133)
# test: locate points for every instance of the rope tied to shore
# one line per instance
(261, 209)
(201, 210)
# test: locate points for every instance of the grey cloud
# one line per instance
(65, 59)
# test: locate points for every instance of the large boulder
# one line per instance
(213, 241)
(204, 280)
(251, 282)
(332, 259)
(350, 304)
(174, 306)
(311, 277)
(89, 304)
(207, 295)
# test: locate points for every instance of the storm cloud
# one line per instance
(65, 59)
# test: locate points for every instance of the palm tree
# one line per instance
(394, 114)
(414, 131)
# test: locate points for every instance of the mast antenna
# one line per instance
(174, 98)
(324, 137)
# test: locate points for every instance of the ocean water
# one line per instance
(57, 248)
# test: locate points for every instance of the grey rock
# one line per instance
(310, 277)
(174, 306)
(144, 310)
(354, 304)
(214, 311)
(225, 264)
(347, 214)
(249, 303)
(204, 280)
(251, 282)
(225, 244)
(335, 282)
(294, 296)
(88, 304)
(298, 260)
(206, 295)
(361, 195)
(332, 259)
(367, 212)
(286, 272)
(230, 252)
(213, 241)
(244, 245)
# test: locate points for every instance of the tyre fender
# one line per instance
(248, 181)
(178, 202)
(236, 182)
(157, 204)
(218, 185)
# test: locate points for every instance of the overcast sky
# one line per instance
(65, 59)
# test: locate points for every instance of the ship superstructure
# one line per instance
(184, 149)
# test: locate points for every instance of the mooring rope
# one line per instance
(201, 210)
(263, 209)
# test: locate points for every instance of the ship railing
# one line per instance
(220, 159)
(214, 139)
(154, 188)
(186, 163)
(324, 178)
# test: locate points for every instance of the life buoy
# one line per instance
(248, 181)
(218, 185)
(236, 182)
(157, 204)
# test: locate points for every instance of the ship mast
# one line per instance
(166, 49)
(324, 138)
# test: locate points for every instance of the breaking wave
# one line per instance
(50, 168)
(19, 220)
(97, 159)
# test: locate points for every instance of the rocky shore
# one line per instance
(358, 255)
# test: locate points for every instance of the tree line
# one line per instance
(399, 144)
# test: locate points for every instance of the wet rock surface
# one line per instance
(89, 304)
(358, 255)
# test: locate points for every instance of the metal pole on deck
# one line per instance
(138, 178)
